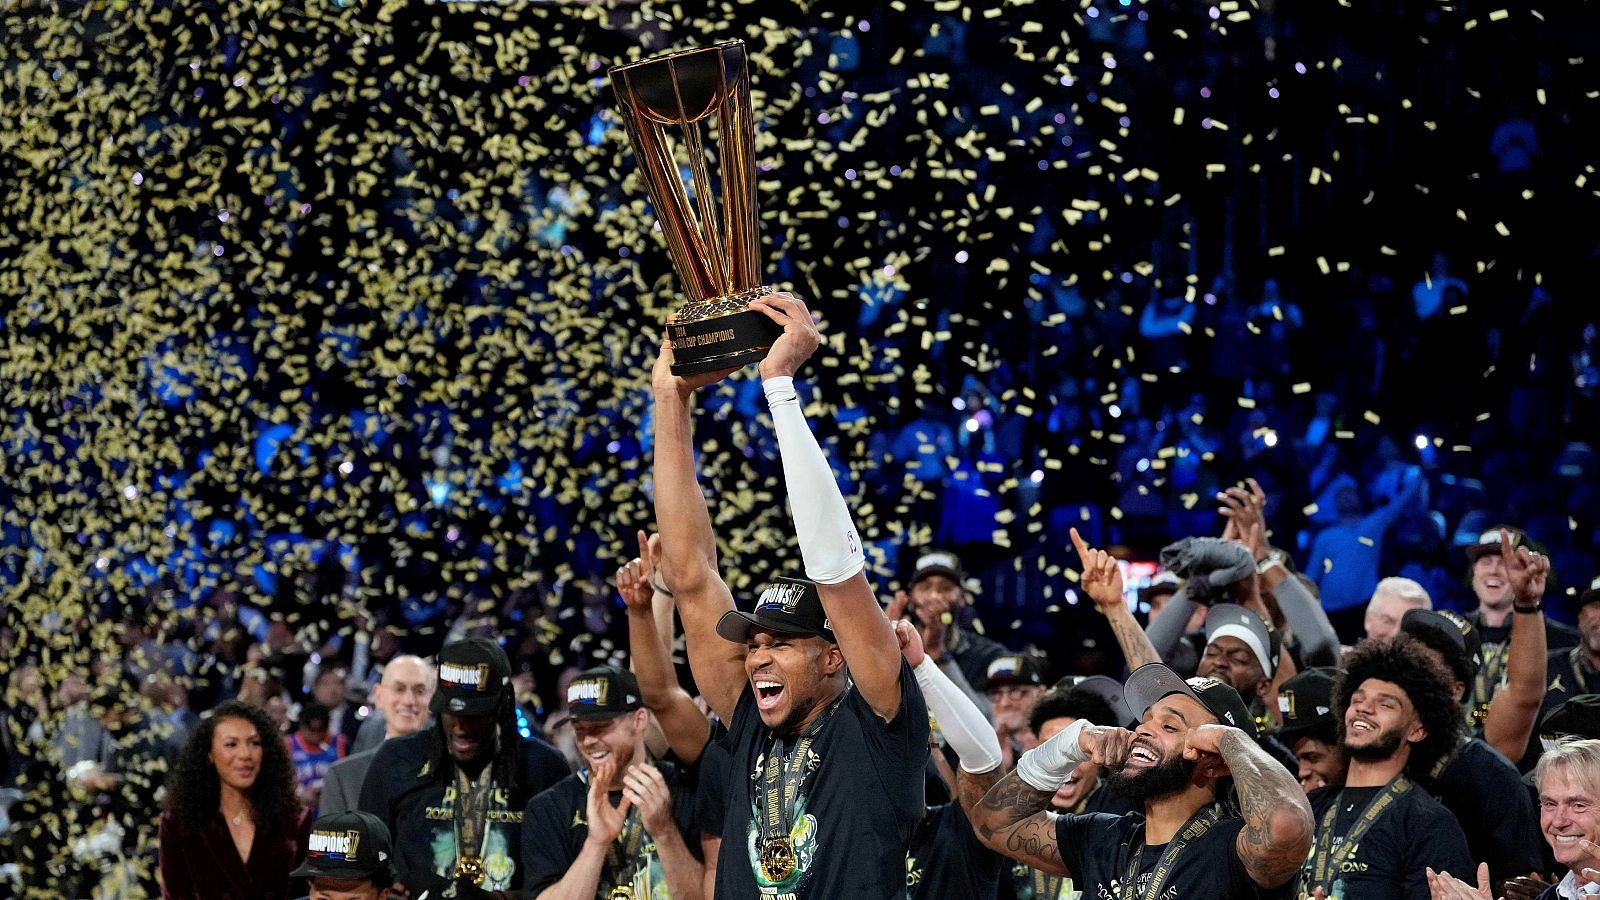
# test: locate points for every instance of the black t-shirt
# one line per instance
(1484, 792)
(555, 828)
(852, 817)
(1027, 883)
(711, 793)
(1568, 674)
(946, 859)
(420, 810)
(1097, 849)
(1495, 645)
(1390, 862)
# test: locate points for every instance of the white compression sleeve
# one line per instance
(828, 543)
(1047, 766)
(961, 722)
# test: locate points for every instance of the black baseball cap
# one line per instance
(787, 606)
(1164, 582)
(1107, 689)
(1306, 702)
(1233, 620)
(1460, 631)
(348, 845)
(1013, 668)
(1591, 595)
(603, 692)
(1152, 681)
(1577, 717)
(1489, 542)
(473, 678)
(936, 562)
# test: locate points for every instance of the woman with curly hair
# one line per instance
(232, 827)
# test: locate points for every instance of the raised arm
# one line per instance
(964, 725)
(1014, 818)
(1278, 827)
(689, 546)
(1515, 709)
(681, 721)
(829, 546)
(1245, 511)
(1102, 581)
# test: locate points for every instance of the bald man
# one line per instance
(402, 696)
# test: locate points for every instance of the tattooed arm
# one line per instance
(1278, 827)
(1102, 581)
(1014, 820)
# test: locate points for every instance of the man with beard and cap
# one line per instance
(619, 828)
(452, 795)
(1574, 672)
(1379, 833)
(1478, 784)
(1495, 616)
(828, 765)
(1085, 790)
(1309, 729)
(1193, 737)
(941, 608)
(946, 861)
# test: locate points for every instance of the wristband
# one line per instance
(1537, 606)
(1267, 564)
(1048, 766)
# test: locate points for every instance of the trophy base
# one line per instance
(726, 341)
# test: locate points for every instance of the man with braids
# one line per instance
(1380, 833)
(1193, 738)
(827, 778)
(453, 795)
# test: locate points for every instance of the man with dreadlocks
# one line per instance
(453, 795)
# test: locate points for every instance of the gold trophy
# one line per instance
(715, 251)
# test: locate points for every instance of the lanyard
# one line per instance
(1325, 861)
(1489, 680)
(783, 777)
(471, 819)
(1192, 831)
(1580, 682)
(624, 851)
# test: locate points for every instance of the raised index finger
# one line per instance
(1079, 545)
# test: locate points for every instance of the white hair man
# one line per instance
(1391, 600)
(402, 696)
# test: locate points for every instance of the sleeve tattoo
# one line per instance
(1014, 820)
(1278, 827)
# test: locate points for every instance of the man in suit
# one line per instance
(402, 696)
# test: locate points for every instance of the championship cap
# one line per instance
(603, 692)
(350, 846)
(937, 562)
(1305, 702)
(1153, 681)
(1013, 668)
(1458, 630)
(473, 677)
(787, 606)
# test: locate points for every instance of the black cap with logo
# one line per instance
(1306, 702)
(1152, 681)
(1107, 689)
(1455, 628)
(1577, 717)
(1591, 595)
(349, 846)
(787, 606)
(1012, 669)
(473, 677)
(603, 692)
(936, 562)
(1489, 541)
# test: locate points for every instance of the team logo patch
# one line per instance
(588, 692)
(340, 845)
(783, 597)
(467, 677)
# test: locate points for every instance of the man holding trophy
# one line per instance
(827, 783)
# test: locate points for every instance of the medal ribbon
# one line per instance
(622, 855)
(1192, 831)
(472, 812)
(782, 778)
(1326, 862)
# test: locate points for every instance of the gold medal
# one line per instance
(777, 859)
(620, 892)
(470, 867)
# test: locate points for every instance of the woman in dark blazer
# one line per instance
(232, 828)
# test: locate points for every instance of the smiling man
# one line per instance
(452, 796)
(402, 696)
(1379, 833)
(618, 828)
(1491, 585)
(827, 778)
(1192, 738)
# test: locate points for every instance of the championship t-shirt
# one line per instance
(555, 827)
(1028, 883)
(1100, 850)
(851, 818)
(948, 862)
(1486, 795)
(1390, 859)
(420, 809)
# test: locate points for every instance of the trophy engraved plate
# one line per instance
(712, 240)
